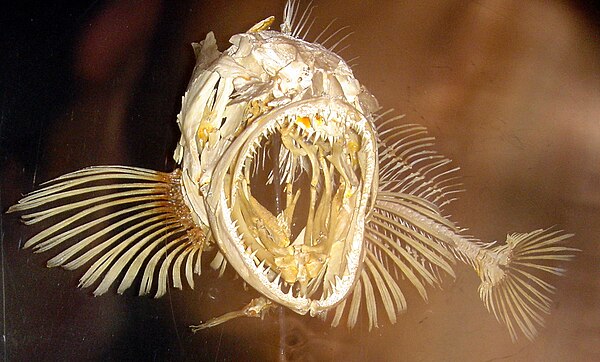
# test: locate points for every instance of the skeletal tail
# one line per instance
(511, 286)
(419, 243)
(408, 236)
(120, 218)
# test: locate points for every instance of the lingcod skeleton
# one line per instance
(354, 201)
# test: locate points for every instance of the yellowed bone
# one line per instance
(262, 25)
(270, 223)
(256, 308)
(286, 216)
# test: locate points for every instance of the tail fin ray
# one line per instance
(512, 290)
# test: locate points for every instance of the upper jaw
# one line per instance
(339, 257)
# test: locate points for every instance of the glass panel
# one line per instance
(510, 91)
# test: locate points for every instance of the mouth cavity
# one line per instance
(297, 200)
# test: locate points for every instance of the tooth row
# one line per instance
(311, 135)
(274, 279)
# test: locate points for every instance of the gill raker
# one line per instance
(356, 204)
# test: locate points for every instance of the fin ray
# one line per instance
(515, 293)
(120, 220)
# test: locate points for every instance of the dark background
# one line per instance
(511, 90)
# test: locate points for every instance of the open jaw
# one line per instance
(289, 214)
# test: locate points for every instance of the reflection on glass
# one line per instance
(508, 90)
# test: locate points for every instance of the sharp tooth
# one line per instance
(348, 256)
(235, 226)
(277, 279)
(331, 284)
(248, 250)
(254, 253)
(261, 265)
(290, 292)
(255, 165)
(338, 281)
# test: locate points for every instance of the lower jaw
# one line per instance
(263, 282)
(235, 245)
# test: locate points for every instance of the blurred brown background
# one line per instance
(510, 89)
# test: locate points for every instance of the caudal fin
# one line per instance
(514, 289)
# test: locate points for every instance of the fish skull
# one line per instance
(273, 94)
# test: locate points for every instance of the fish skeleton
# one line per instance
(354, 204)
